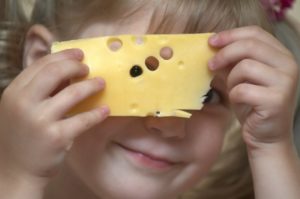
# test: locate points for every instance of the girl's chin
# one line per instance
(119, 173)
(126, 177)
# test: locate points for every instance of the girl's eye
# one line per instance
(212, 97)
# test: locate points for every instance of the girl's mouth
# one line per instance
(146, 160)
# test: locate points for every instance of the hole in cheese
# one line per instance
(136, 71)
(152, 63)
(166, 53)
(139, 40)
(114, 44)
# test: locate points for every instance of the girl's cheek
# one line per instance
(207, 129)
(213, 116)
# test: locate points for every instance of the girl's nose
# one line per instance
(168, 127)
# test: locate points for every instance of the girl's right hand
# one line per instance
(34, 132)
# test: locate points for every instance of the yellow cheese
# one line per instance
(148, 75)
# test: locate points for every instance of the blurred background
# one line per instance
(295, 12)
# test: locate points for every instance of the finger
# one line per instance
(63, 101)
(250, 49)
(52, 76)
(229, 36)
(253, 95)
(74, 126)
(254, 72)
(28, 73)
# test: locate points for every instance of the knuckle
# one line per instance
(241, 91)
(93, 85)
(223, 36)
(42, 119)
(90, 119)
(43, 60)
(221, 56)
(86, 122)
(74, 91)
(53, 70)
(250, 45)
(255, 30)
(22, 105)
(55, 136)
(245, 65)
(39, 124)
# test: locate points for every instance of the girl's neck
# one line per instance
(67, 185)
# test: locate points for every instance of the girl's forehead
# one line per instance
(166, 16)
(187, 16)
(138, 24)
(138, 19)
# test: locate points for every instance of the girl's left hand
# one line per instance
(261, 82)
(262, 79)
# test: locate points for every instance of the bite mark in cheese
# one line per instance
(140, 79)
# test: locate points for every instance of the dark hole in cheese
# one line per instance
(136, 71)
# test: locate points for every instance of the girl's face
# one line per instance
(148, 157)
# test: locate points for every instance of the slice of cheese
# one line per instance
(148, 75)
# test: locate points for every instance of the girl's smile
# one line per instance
(146, 159)
(149, 153)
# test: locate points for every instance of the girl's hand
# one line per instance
(34, 132)
(261, 82)
(262, 78)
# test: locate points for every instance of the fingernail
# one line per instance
(213, 40)
(79, 53)
(105, 110)
(101, 82)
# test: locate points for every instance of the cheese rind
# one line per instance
(178, 84)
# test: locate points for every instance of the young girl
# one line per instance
(45, 155)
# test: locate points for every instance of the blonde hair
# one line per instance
(231, 177)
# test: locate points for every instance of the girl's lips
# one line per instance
(146, 160)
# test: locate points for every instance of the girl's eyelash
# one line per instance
(212, 97)
(207, 97)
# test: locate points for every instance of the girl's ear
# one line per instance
(38, 42)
